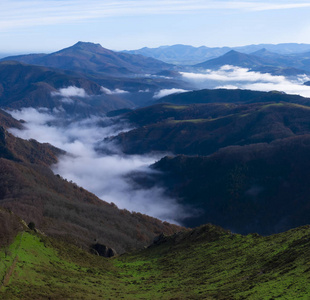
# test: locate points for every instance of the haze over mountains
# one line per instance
(94, 59)
(189, 55)
(115, 80)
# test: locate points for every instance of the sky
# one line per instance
(50, 25)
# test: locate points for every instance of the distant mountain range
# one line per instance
(93, 58)
(262, 61)
(95, 66)
(139, 75)
(189, 55)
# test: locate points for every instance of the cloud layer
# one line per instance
(113, 92)
(18, 13)
(232, 77)
(71, 91)
(105, 175)
(166, 92)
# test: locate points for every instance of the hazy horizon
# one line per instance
(47, 26)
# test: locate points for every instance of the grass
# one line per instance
(231, 267)
(206, 263)
(190, 121)
(47, 268)
(273, 105)
(176, 107)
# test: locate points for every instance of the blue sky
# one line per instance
(49, 25)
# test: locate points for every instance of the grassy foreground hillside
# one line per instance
(205, 263)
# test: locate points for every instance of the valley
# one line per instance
(192, 178)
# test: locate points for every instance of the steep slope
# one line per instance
(60, 208)
(23, 85)
(205, 263)
(247, 164)
(92, 58)
(260, 188)
(10, 226)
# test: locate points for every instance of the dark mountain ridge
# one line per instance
(218, 118)
(23, 85)
(232, 96)
(260, 187)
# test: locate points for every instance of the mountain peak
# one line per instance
(261, 51)
(87, 45)
(232, 53)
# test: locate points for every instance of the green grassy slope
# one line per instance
(45, 269)
(209, 263)
(205, 263)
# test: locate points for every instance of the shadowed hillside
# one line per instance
(232, 96)
(60, 208)
(260, 188)
(24, 85)
(203, 129)
(244, 165)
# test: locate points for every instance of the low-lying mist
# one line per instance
(232, 77)
(106, 175)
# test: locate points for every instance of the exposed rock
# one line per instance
(103, 250)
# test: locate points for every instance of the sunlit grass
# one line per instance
(207, 263)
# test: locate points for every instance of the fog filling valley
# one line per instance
(106, 175)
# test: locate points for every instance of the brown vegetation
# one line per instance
(61, 208)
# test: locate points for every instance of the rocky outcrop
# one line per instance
(102, 250)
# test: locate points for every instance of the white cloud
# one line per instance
(144, 91)
(232, 73)
(279, 6)
(113, 92)
(38, 116)
(71, 91)
(166, 92)
(20, 13)
(232, 77)
(67, 100)
(107, 176)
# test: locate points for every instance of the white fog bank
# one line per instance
(104, 175)
(232, 77)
